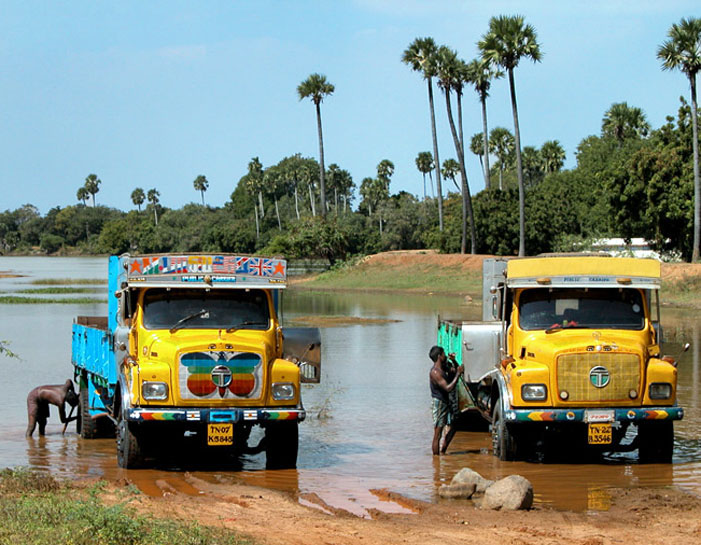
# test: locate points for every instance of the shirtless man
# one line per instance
(38, 405)
(442, 382)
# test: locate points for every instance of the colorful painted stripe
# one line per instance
(579, 415)
(215, 415)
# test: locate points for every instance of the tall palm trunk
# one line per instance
(255, 215)
(697, 182)
(424, 175)
(466, 197)
(311, 199)
(296, 202)
(277, 213)
(322, 182)
(519, 171)
(485, 139)
(433, 191)
(435, 155)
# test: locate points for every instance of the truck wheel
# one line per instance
(281, 443)
(503, 441)
(87, 427)
(129, 453)
(655, 442)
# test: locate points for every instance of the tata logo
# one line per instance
(221, 376)
(599, 376)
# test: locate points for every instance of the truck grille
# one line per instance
(211, 375)
(573, 376)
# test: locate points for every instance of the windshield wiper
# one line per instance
(241, 324)
(179, 323)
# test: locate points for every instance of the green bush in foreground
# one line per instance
(38, 510)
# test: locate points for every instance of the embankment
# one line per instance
(427, 272)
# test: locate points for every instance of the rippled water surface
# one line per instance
(369, 425)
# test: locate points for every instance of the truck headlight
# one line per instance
(534, 392)
(660, 390)
(283, 391)
(154, 390)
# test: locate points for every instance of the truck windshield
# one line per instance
(202, 309)
(601, 308)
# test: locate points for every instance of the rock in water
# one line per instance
(512, 492)
(456, 491)
(468, 476)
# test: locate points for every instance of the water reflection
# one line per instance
(369, 425)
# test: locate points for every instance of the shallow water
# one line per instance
(369, 426)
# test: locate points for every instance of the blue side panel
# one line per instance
(91, 350)
(112, 310)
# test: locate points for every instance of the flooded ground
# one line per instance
(369, 425)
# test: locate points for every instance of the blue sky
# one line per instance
(152, 94)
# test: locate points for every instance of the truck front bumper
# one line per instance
(624, 414)
(207, 415)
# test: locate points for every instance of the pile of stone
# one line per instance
(512, 492)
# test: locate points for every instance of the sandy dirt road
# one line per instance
(651, 516)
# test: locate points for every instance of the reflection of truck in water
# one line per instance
(568, 356)
(192, 353)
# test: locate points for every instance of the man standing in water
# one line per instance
(443, 380)
(38, 402)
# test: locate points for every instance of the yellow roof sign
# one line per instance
(583, 271)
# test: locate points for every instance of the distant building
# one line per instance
(638, 247)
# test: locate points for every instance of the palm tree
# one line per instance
(450, 77)
(477, 147)
(532, 166)
(201, 184)
(451, 168)
(683, 51)
(501, 144)
(344, 182)
(421, 57)
(272, 181)
(82, 194)
(424, 164)
(138, 197)
(480, 74)
(553, 156)
(316, 87)
(622, 121)
(332, 176)
(505, 43)
(152, 197)
(92, 184)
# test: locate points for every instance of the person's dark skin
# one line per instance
(38, 401)
(436, 376)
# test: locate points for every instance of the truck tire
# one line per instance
(129, 452)
(655, 442)
(87, 427)
(503, 440)
(281, 444)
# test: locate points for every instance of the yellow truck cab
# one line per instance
(192, 352)
(568, 357)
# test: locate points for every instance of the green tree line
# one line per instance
(629, 181)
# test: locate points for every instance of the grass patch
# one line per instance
(684, 292)
(421, 278)
(13, 300)
(56, 290)
(36, 509)
(68, 281)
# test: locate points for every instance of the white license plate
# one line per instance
(598, 416)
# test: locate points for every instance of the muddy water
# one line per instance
(369, 425)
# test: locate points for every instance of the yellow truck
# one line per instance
(568, 357)
(192, 354)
